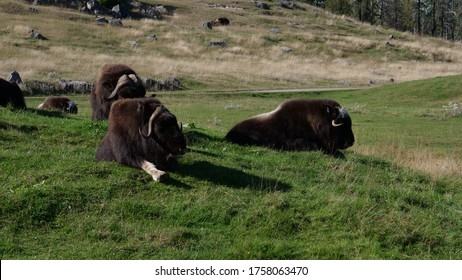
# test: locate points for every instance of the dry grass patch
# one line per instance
(421, 159)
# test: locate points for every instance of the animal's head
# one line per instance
(164, 129)
(72, 107)
(128, 86)
(340, 126)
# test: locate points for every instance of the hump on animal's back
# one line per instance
(297, 124)
(115, 81)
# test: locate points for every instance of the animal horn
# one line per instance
(153, 118)
(138, 81)
(342, 114)
(123, 80)
(336, 124)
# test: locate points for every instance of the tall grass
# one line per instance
(226, 201)
(396, 196)
(253, 58)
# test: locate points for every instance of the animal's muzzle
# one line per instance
(179, 153)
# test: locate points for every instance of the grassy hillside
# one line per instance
(326, 50)
(232, 202)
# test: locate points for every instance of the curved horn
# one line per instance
(152, 119)
(336, 124)
(123, 80)
(342, 114)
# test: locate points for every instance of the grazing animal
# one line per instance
(220, 21)
(10, 93)
(115, 81)
(143, 134)
(59, 103)
(298, 125)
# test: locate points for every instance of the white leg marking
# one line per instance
(157, 175)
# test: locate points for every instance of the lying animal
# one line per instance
(298, 125)
(143, 134)
(115, 81)
(10, 93)
(59, 103)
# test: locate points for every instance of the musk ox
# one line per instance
(220, 21)
(59, 103)
(298, 125)
(115, 81)
(143, 134)
(10, 93)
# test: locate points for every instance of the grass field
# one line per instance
(233, 202)
(326, 49)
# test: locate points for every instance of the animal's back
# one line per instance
(11, 93)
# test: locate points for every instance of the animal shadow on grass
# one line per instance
(230, 177)
(221, 175)
(48, 113)
(21, 128)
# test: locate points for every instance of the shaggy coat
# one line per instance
(115, 81)
(10, 93)
(298, 125)
(59, 103)
(143, 134)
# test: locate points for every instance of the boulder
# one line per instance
(14, 77)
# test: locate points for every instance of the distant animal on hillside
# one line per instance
(143, 134)
(63, 104)
(220, 21)
(10, 93)
(115, 81)
(298, 125)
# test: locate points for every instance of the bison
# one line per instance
(115, 81)
(59, 103)
(10, 93)
(298, 125)
(143, 134)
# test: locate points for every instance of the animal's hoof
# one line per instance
(161, 177)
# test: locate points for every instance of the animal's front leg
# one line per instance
(157, 175)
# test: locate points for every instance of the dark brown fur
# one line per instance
(220, 21)
(298, 125)
(124, 143)
(59, 103)
(107, 80)
(10, 93)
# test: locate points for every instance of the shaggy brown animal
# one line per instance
(298, 125)
(10, 93)
(115, 81)
(59, 103)
(220, 21)
(143, 134)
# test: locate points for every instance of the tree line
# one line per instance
(438, 18)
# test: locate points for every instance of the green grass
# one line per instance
(233, 202)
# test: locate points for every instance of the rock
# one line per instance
(133, 44)
(286, 49)
(79, 87)
(35, 35)
(219, 44)
(261, 5)
(101, 20)
(207, 25)
(14, 77)
(115, 22)
(152, 38)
